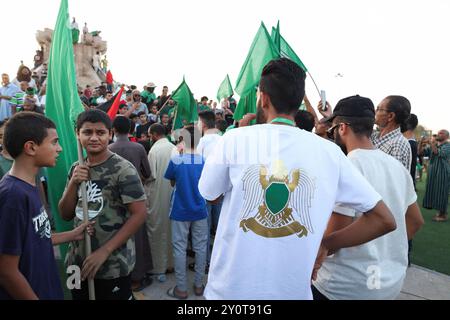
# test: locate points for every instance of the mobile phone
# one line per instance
(323, 96)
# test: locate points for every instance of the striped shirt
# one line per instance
(395, 145)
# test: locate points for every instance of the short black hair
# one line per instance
(191, 136)
(208, 117)
(122, 125)
(141, 113)
(410, 124)
(222, 125)
(359, 126)
(23, 127)
(284, 82)
(305, 120)
(94, 116)
(400, 106)
(204, 98)
(157, 129)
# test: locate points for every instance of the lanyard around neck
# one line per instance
(283, 120)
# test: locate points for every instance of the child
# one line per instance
(116, 200)
(28, 269)
(188, 212)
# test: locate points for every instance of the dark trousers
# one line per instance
(317, 295)
(113, 289)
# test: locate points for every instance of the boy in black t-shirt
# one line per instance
(28, 269)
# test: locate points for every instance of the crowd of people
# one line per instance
(265, 209)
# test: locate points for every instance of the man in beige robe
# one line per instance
(159, 195)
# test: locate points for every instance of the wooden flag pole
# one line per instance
(87, 237)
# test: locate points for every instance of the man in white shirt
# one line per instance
(211, 136)
(280, 185)
(376, 269)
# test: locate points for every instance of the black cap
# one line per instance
(355, 106)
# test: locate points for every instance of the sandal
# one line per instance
(172, 292)
(198, 291)
(440, 218)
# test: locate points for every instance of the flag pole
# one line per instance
(175, 118)
(317, 88)
(87, 238)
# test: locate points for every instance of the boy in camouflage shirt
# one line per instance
(116, 201)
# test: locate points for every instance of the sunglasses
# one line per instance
(330, 132)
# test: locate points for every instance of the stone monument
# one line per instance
(84, 52)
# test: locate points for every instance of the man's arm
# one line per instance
(138, 214)
(69, 200)
(76, 234)
(13, 281)
(414, 220)
(145, 165)
(371, 225)
(310, 109)
(337, 222)
(6, 97)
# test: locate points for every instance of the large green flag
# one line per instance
(186, 109)
(63, 105)
(225, 89)
(247, 104)
(285, 49)
(261, 52)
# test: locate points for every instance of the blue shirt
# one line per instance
(187, 203)
(5, 105)
(25, 232)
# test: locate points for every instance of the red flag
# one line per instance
(112, 113)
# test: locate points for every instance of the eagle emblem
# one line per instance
(276, 207)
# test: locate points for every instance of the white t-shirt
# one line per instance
(374, 270)
(207, 144)
(272, 222)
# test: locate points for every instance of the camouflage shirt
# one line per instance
(114, 184)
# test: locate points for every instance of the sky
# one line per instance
(380, 48)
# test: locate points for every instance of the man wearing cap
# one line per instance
(390, 115)
(148, 95)
(376, 269)
(280, 185)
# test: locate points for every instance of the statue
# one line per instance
(84, 53)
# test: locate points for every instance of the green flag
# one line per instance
(276, 37)
(62, 106)
(247, 104)
(186, 109)
(225, 89)
(261, 52)
(285, 49)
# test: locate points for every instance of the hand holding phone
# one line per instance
(323, 96)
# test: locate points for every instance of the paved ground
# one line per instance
(420, 284)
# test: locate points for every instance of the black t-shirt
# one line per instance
(162, 101)
(25, 231)
(143, 129)
(413, 144)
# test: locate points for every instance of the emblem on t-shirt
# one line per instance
(95, 200)
(276, 207)
(41, 225)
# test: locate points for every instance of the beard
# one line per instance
(260, 115)
(340, 143)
